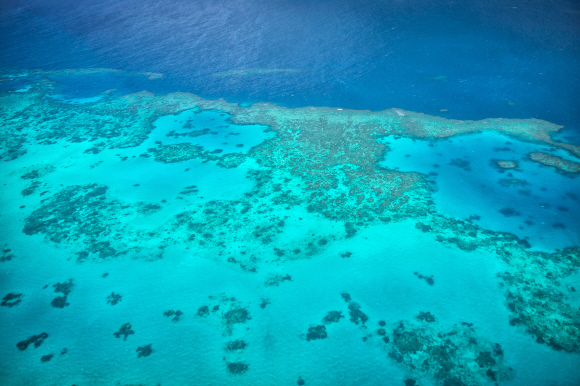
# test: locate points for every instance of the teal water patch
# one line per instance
(211, 130)
(17, 85)
(77, 101)
(532, 201)
(270, 337)
(77, 88)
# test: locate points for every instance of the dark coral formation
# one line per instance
(59, 302)
(46, 358)
(185, 151)
(176, 315)
(332, 317)
(275, 280)
(428, 279)
(356, 315)
(236, 315)
(317, 332)
(124, 331)
(509, 212)
(31, 188)
(203, 311)
(531, 280)
(11, 300)
(512, 182)
(77, 212)
(449, 356)
(37, 340)
(426, 316)
(64, 288)
(7, 254)
(114, 298)
(237, 367)
(460, 163)
(144, 351)
(557, 162)
(236, 345)
(82, 215)
(227, 310)
(117, 123)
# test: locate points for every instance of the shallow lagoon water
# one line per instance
(212, 130)
(193, 347)
(543, 203)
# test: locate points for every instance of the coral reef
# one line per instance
(317, 332)
(428, 279)
(114, 298)
(235, 345)
(275, 280)
(11, 300)
(46, 358)
(237, 367)
(144, 351)
(124, 331)
(505, 164)
(227, 310)
(37, 340)
(531, 281)
(557, 162)
(7, 254)
(64, 288)
(176, 315)
(356, 315)
(449, 356)
(332, 317)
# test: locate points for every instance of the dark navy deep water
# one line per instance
(477, 59)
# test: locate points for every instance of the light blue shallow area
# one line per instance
(546, 201)
(378, 276)
(221, 136)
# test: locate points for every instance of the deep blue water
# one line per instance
(476, 59)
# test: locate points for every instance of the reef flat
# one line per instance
(557, 162)
(315, 182)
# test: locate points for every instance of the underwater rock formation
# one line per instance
(557, 162)
(124, 331)
(64, 288)
(37, 340)
(144, 351)
(448, 356)
(11, 300)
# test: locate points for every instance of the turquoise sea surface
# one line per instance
(298, 192)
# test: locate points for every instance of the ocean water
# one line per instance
(257, 192)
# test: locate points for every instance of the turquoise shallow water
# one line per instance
(543, 203)
(231, 298)
(211, 130)
(379, 276)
